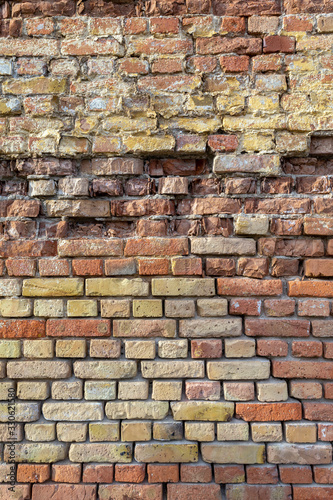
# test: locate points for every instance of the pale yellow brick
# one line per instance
(272, 391)
(15, 308)
(301, 433)
(233, 453)
(49, 308)
(251, 224)
(190, 287)
(10, 287)
(149, 144)
(40, 432)
(264, 103)
(239, 348)
(266, 432)
(24, 412)
(67, 389)
(136, 431)
(104, 431)
(96, 452)
(292, 143)
(199, 431)
(179, 308)
(99, 390)
(39, 348)
(71, 348)
(212, 307)
(233, 431)
(105, 369)
(172, 369)
(133, 389)
(115, 308)
(232, 104)
(140, 349)
(37, 452)
(116, 286)
(234, 370)
(10, 348)
(202, 410)
(75, 412)
(173, 348)
(147, 308)
(71, 433)
(166, 452)
(167, 391)
(82, 308)
(133, 410)
(52, 287)
(6, 387)
(33, 390)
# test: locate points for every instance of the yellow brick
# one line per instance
(291, 143)
(266, 432)
(231, 105)
(40, 432)
(33, 390)
(115, 308)
(52, 287)
(116, 286)
(173, 348)
(18, 308)
(237, 431)
(135, 431)
(301, 433)
(140, 349)
(133, 389)
(199, 432)
(253, 141)
(150, 144)
(264, 103)
(123, 123)
(82, 308)
(70, 433)
(195, 125)
(71, 348)
(37, 85)
(38, 348)
(247, 122)
(147, 308)
(167, 391)
(10, 348)
(99, 390)
(104, 432)
(202, 410)
(166, 452)
(183, 286)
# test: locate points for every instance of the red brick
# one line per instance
(328, 390)
(223, 143)
(64, 491)
(284, 267)
(21, 267)
(22, 328)
(295, 474)
(139, 208)
(185, 491)
(205, 390)
(105, 26)
(87, 267)
(168, 83)
(69, 473)
(166, 25)
(328, 350)
(22, 248)
(318, 268)
(90, 248)
(39, 26)
(323, 475)
(302, 369)
(325, 432)
(222, 45)
(33, 473)
(151, 227)
(268, 412)
(233, 24)
(134, 66)
(156, 247)
(313, 307)
(167, 65)
(277, 328)
(313, 492)
(248, 307)
(311, 6)
(234, 64)
(267, 62)
(277, 206)
(277, 43)
(279, 307)
(187, 266)
(132, 473)
(192, 473)
(201, 349)
(130, 491)
(323, 206)
(229, 474)
(322, 328)
(299, 23)
(247, 286)
(253, 267)
(163, 473)
(135, 26)
(202, 64)
(319, 411)
(265, 474)
(150, 46)
(307, 349)
(54, 267)
(286, 227)
(24, 208)
(241, 8)
(272, 347)
(220, 267)
(78, 328)
(151, 267)
(97, 473)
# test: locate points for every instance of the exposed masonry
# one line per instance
(166, 250)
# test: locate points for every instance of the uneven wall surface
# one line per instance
(166, 250)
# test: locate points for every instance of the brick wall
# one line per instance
(166, 250)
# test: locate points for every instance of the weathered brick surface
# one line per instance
(165, 249)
